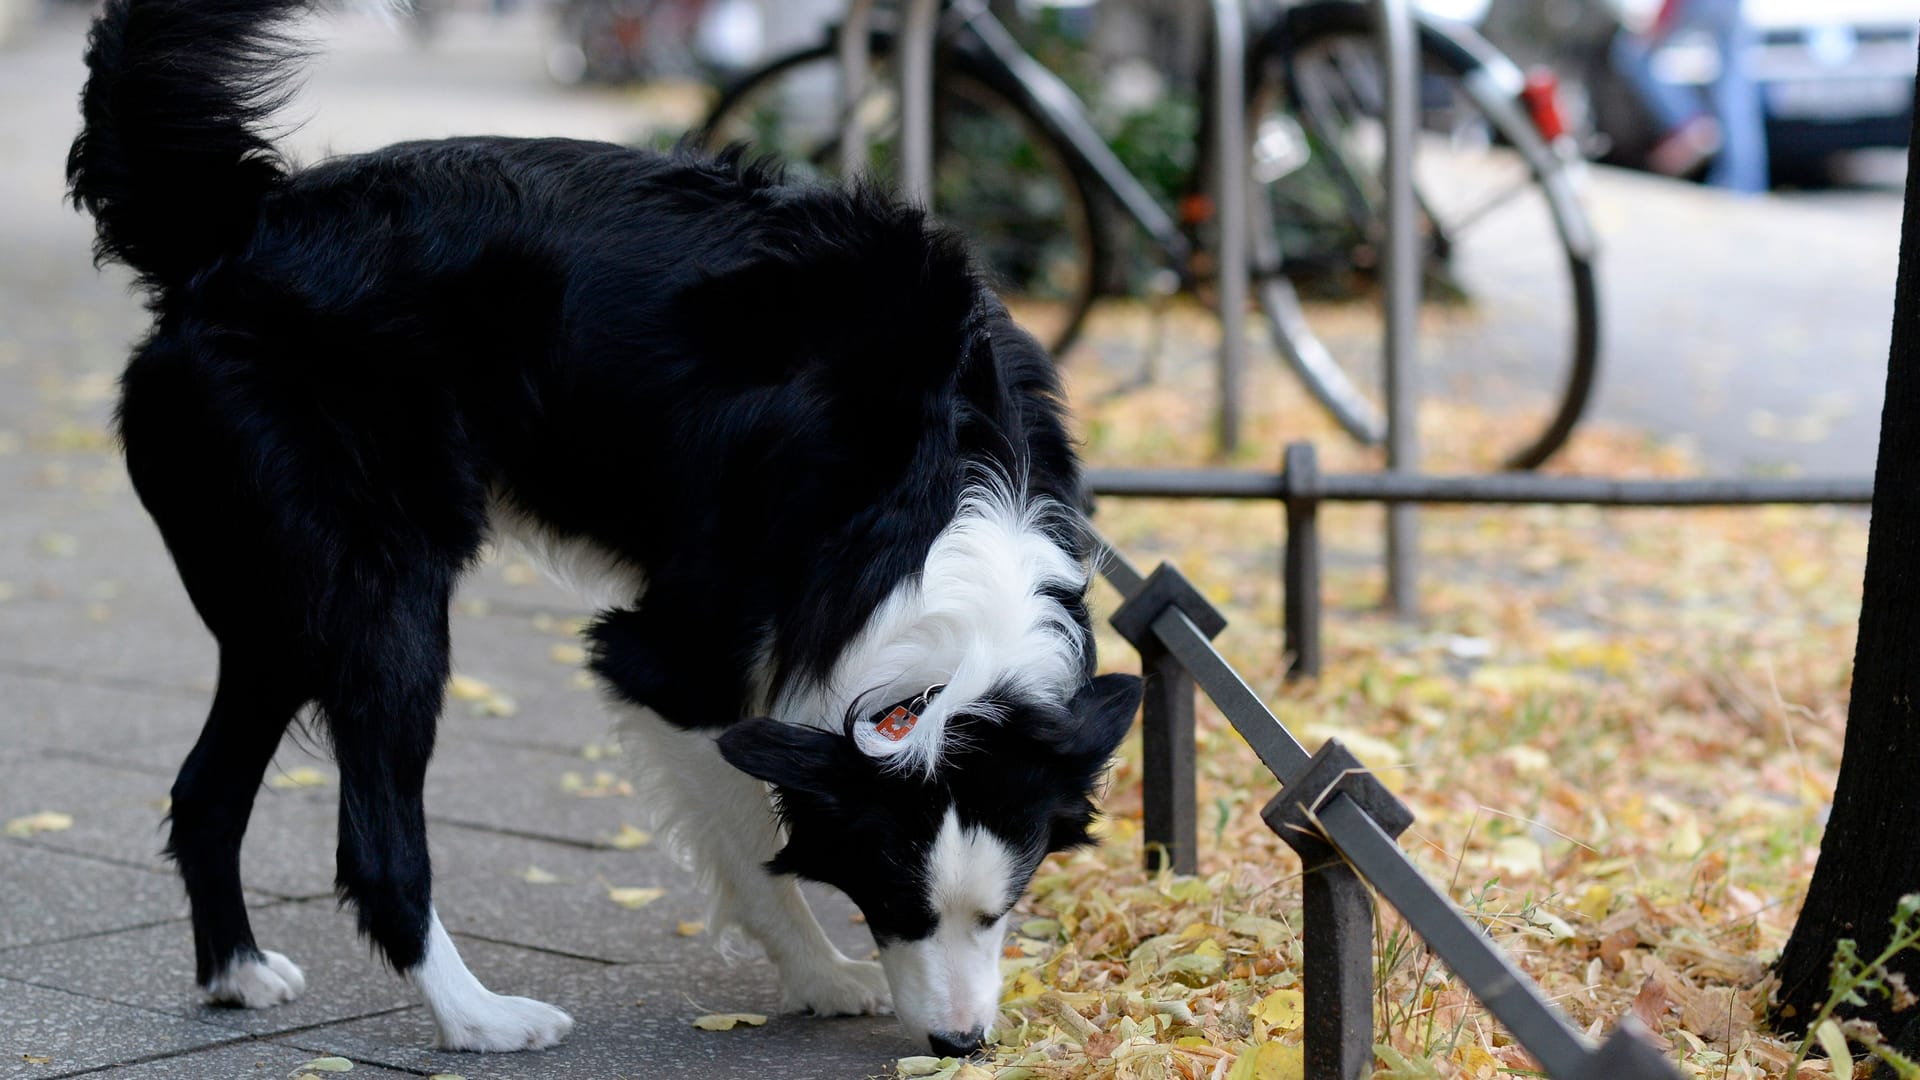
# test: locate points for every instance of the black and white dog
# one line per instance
(820, 479)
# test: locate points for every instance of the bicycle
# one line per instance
(1523, 342)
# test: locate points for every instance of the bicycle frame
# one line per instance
(1067, 118)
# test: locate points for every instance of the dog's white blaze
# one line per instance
(949, 983)
(467, 1015)
(976, 617)
(598, 576)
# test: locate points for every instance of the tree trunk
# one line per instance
(1870, 856)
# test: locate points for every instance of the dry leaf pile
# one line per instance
(1618, 731)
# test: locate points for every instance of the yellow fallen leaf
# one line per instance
(920, 1065)
(691, 929)
(446, 1076)
(44, 821)
(467, 688)
(1283, 1010)
(1595, 902)
(970, 1071)
(727, 1021)
(601, 786)
(565, 652)
(1270, 1061)
(1519, 856)
(1192, 890)
(634, 898)
(533, 875)
(629, 838)
(499, 705)
(36, 1059)
(1024, 985)
(305, 776)
(328, 1064)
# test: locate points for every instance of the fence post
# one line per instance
(1300, 574)
(1167, 795)
(1337, 934)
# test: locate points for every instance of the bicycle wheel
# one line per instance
(998, 177)
(1508, 334)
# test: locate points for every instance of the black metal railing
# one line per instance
(1334, 813)
(1303, 488)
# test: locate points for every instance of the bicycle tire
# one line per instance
(959, 79)
(1452, 62)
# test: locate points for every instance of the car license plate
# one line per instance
(1838, 99)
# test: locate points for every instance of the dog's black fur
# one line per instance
(768, 397)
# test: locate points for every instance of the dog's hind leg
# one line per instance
(212, 799)
(382, 704)
(720, 819)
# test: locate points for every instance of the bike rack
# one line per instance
(1399, 51)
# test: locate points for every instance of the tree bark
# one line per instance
(1870, 855)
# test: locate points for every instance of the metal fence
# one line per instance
(1302, 488)
(1334, 813)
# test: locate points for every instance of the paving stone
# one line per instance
(60, 710)
(636, 1021)
(481, 887)
(119, 813)
(238, 1061)
(520, 789)
(50, 896)
(152, 968)
(75, 1033)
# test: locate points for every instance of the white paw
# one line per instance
(842, 988)
(257, 982)
(499, 1024)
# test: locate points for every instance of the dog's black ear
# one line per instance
(793, 758)
(1068, 824)
(1099, 716)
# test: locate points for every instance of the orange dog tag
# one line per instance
(897, 723)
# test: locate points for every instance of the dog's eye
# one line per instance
(986, 921)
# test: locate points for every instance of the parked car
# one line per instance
(1834, 75)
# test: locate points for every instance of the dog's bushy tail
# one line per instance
(171, 159)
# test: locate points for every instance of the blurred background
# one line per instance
(1738, 163)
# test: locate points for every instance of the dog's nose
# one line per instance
(957, 1043)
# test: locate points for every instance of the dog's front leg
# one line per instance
(721, 819)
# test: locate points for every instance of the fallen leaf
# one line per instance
(1283, 1010)
(634, 898)
(691, 929)
(467, 688)
(36, 1059)
(629, 838)
(565, 652)
(1832, 1040)
(44, 821)
(305, 776)
(533, 875)
(1270, 1061)
(328, 1064)
(920, 1065)
(727, 1021)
